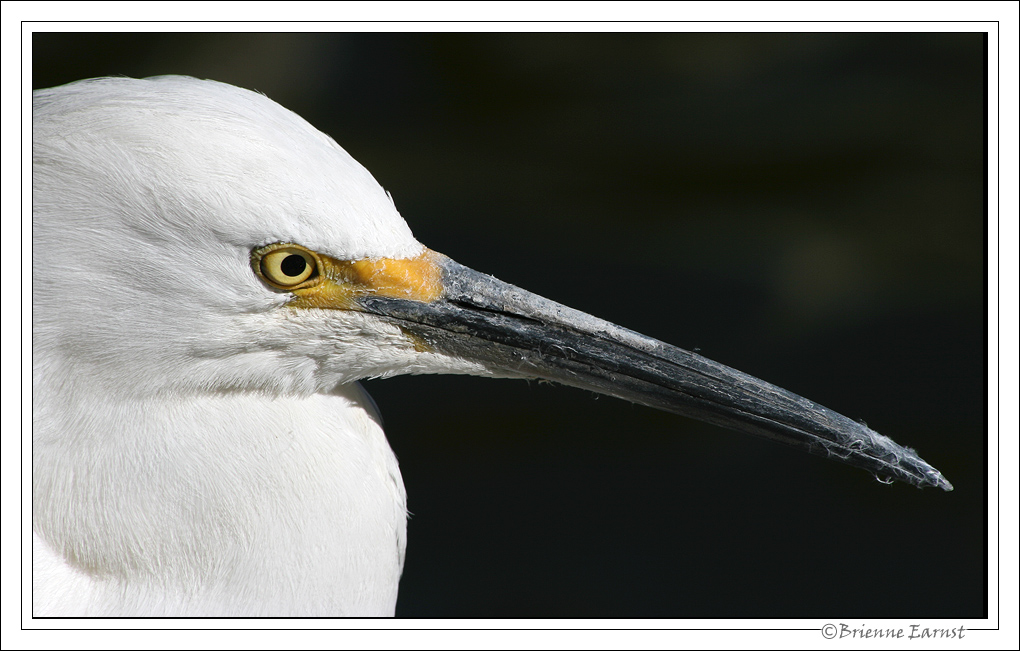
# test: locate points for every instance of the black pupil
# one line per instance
(293, 265)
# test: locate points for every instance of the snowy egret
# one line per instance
(211, 277)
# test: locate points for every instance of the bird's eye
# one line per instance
(286, 266)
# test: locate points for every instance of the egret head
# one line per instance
(193, 237)
(157, 203)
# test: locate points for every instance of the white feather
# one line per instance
(197, 450)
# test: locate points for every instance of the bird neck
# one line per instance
(229, 504)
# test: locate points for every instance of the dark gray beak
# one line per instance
(523, 335)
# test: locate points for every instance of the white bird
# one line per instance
(211, 277)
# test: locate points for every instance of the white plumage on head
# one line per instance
(196, 451)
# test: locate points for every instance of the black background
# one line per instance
(808, 208)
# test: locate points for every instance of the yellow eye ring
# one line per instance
(286, 266)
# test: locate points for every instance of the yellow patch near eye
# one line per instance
(344, 281)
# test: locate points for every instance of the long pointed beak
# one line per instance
(520, 334)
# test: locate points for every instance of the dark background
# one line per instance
(808, 208)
